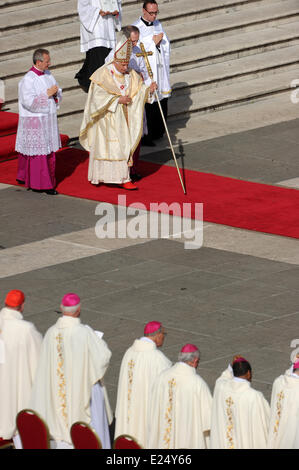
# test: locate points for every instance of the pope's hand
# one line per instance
(52, 91)
(153, 87)
(124, 100)
(158, 38)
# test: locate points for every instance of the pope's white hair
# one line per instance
(71, 310)
(188, 356)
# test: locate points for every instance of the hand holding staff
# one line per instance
(145, 55)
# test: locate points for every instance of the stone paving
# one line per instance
(236, 294)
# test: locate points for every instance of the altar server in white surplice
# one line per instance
(20, 345)
(38, 136)
(99, 20)
(155, 40)
(284, 421)
(68, 385)
(240, 414)
(180, 406)
(140, 365)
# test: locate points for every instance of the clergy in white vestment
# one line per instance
(180, 406)
(113, 119)
(68, 385)
(240, 414)
(99, 21)
(155, 40)
(38, 136)
(20, 344)
(141, 364)
(284, 419)
(136, 63)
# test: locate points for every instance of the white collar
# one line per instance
(145, 338)
(238, 379)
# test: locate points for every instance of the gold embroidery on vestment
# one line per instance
(131, 365)
(61, 378)
(280, 397)
(230, 425)
(168, 414)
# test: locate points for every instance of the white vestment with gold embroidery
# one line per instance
(180, 410)
(141, 364)
(20, 345)
(73, 359)
(284, 420)
(240, 415)
(111, 131)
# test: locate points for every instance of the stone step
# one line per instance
(232, 95)
(31, 16)
(197, 79)
(265, 64)
(180, 35)
(202, 126)
(235, 46)
(16, 5)
(66, 12)
(212, 99)
(182, 58)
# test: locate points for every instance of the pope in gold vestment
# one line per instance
(110, 130)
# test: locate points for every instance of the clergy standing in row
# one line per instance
(20, 344)
(38, 137)
(99, 19)
(240, 414)
(67, 387)
(141, 364)
(180, 406)
(155, 40)
(284, 420)
(112, 124)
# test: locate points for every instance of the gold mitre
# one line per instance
(123, 51)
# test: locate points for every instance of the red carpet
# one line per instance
(252, 206)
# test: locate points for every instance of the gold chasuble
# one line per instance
(111, 131)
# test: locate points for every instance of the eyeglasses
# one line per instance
(152, 13)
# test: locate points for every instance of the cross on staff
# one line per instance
(145, 55)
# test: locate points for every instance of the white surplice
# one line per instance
(20, 345)
(160, 58)
(38, 132)
(73, 360)
(97, 30)
(141, 364)
(284, 420)
(240, 414)
(179, 410)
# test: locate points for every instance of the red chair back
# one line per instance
(34, 432)
(83, 437)
(126, 442)
(6, 443)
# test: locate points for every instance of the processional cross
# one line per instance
(145, 55)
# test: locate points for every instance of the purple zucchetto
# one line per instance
(152, 327)
(189, 348)
(70, 300)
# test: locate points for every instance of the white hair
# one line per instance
(70, 310)
(188, 356)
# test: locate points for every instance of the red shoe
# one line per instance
(129, 185)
